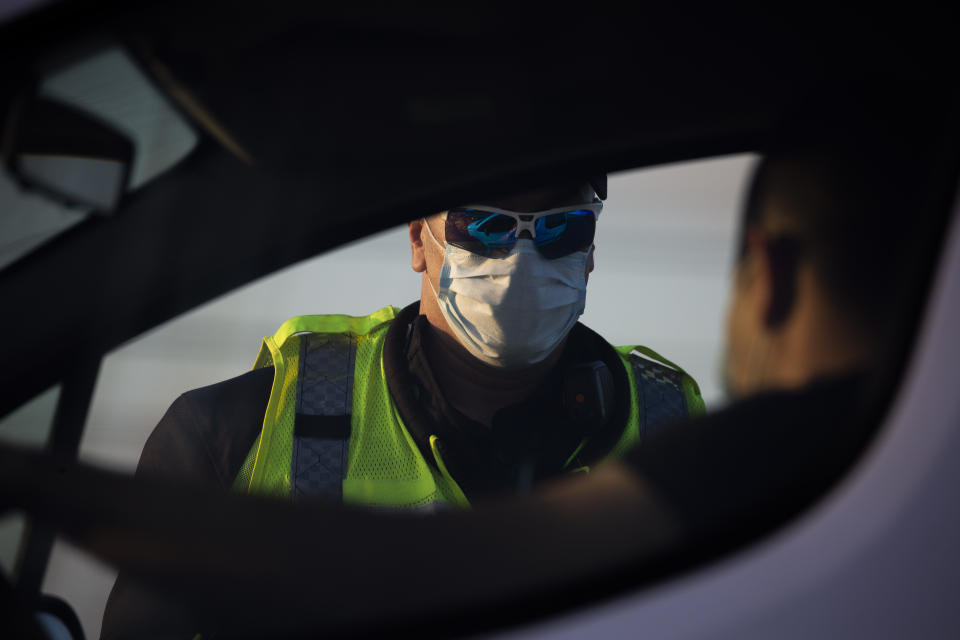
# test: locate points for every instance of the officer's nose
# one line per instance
(525, 233)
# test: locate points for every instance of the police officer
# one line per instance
(486, 385)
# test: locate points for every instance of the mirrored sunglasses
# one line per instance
(493, 232)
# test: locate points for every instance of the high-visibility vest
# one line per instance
(332, 429)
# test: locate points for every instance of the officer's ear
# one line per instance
(418, 259)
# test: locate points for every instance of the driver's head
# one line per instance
(507, 277)
(827, 236)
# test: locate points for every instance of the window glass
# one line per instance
(30, 426)
(12, 527)
(110, 86)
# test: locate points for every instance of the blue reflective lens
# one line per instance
(495, 234)
(493, 229)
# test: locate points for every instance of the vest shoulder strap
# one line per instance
(329, 323)
(665, 392)
(654, 363)
(314, 400)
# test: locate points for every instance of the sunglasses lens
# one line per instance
(561, 234)
(494, 235)
(481, 232)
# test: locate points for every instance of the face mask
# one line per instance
(512, 311)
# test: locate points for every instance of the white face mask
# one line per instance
(511, 311)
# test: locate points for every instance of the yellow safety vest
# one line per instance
(332, 426)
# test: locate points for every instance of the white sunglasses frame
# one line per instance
(527, 219)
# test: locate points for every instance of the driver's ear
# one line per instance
(783, 259)
(418, 260)
(774, 271)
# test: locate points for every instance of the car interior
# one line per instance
(275, 136)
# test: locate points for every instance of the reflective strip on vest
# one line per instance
(321, 431)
